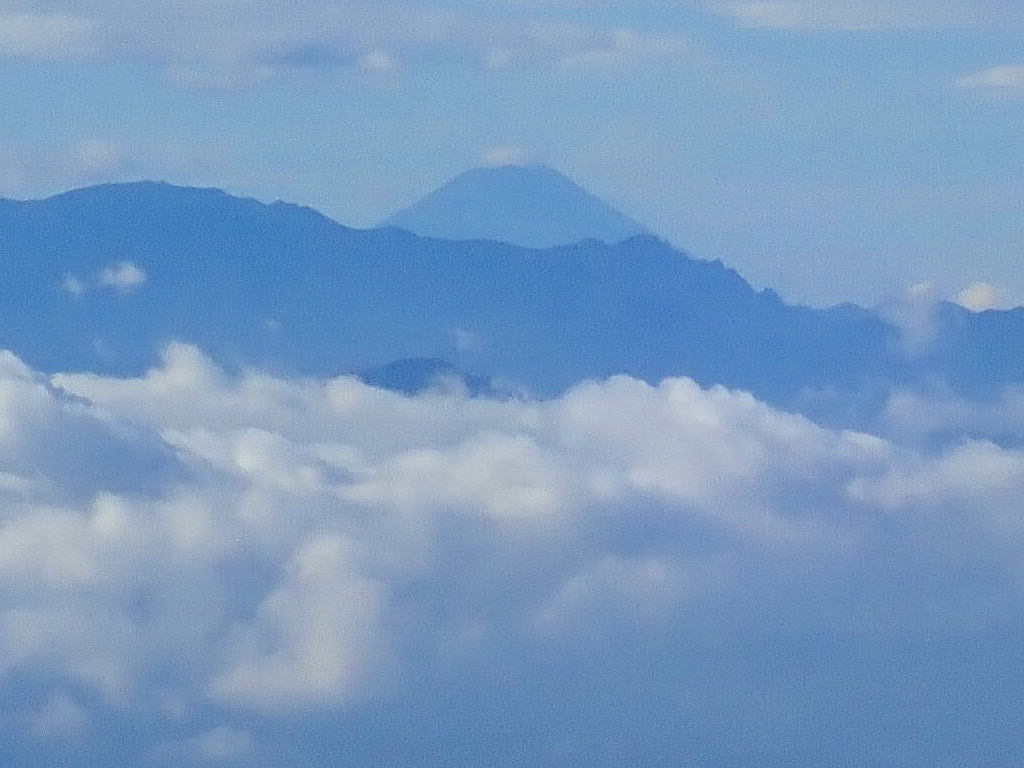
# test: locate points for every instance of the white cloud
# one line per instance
(496, 58)
(497, 157)
(224, 744)
(60, 719)
(228, 44)
(220, 746)
(96, 158)
(45, 35)
(316, 638)
(378, 61)
(28, 172)
(1006, 80)
(123, 277)
(73, 285)
(848, 15)
(913, 314)
(914, 418)
(638, 592)
(624, 47)
(979, 296)
(226, 76)
(309, 546)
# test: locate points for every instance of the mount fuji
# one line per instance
(533, 206)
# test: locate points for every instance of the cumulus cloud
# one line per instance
(123, 276)
(316, 637)
(979, 296)
(327, 553)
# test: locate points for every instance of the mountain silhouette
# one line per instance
(534, 206)
(102, 278)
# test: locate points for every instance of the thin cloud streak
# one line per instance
(854, 15)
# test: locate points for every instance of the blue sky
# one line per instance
(836, 150)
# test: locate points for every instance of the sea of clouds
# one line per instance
(207, 568)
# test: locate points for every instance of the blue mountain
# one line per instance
(534, 206)
(101, 278)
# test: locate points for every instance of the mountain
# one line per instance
(533, 206)
(102, 278)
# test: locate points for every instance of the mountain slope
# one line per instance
(533, 206)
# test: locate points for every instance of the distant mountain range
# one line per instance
(101, 278)
(533, 206)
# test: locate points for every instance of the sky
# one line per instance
(837, 150)
(210, 566)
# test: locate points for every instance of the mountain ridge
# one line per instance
(284, 288)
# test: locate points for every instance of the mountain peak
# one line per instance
(529, 205)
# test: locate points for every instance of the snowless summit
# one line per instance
(527, 205)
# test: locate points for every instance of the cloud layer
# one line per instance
(208, 560)
(230, 44)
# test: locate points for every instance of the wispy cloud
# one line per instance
(228, 45)
(1005, 80)
(73, 285)
(88, 161)
(848, 15)
(46, 35)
